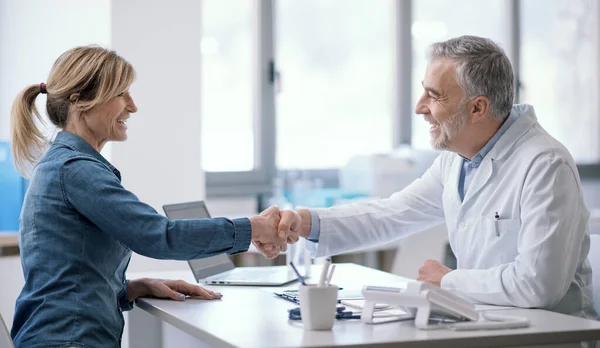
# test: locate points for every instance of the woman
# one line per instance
(79, 225)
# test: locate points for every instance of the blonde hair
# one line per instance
(96, 73)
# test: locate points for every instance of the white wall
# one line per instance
(161, 160)
(33, 33)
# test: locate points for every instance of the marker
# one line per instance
(324, 272)
(330, 275)
(300, 278)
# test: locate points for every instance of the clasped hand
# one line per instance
(274, 229)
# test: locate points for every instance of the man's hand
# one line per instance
(265, 233)
(290, 224)
(433, 272)
(163, 288)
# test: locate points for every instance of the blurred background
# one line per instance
(246, 103)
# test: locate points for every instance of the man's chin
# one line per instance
(439, 144)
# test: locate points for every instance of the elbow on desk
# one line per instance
(537, 294)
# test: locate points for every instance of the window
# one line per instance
(309, 84)
(559, 71)
(228, 94)
(438, 20)
(336, 88)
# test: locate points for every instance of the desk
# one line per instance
(253, 317)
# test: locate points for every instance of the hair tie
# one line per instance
(43, 88)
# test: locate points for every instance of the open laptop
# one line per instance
(220, 270)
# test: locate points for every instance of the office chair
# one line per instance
(5, 340)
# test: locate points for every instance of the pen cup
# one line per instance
(317, 306)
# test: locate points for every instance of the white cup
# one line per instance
(317, 306)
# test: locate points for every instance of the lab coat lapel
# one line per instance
(481, 178)
(451, 191)
(502, 148)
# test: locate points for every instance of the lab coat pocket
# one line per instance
(502, 237)
(505, 227)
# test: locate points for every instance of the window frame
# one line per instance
(258, 182)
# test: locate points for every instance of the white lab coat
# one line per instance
(539, 258)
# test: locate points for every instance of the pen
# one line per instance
(496, 218)
(324, 272)
(287, 297)
(330, 274)
(300, 278)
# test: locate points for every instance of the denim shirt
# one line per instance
(78, 227)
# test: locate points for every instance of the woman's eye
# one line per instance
(121, 94)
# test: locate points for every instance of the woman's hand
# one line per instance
(164, 288)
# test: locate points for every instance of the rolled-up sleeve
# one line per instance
(123, 299)
(95, 192)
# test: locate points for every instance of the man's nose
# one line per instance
(421, 107)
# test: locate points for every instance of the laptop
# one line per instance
(219, 269)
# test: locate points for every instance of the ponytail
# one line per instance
(28, 142)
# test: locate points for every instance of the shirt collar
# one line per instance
(476, 160)
(77, 143)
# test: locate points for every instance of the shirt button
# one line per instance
(462, 225)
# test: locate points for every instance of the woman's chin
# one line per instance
(120, 137)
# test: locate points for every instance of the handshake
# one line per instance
(274, 229)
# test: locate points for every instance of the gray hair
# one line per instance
(482, 69)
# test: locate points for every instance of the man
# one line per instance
(508, 192)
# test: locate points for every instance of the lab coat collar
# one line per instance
(526, 119)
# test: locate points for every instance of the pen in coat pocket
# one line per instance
(496, 218)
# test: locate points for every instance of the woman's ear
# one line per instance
(74, 98)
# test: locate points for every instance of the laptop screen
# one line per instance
(208, 266)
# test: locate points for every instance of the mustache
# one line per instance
(430, 119)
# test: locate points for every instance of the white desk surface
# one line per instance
(253, 317)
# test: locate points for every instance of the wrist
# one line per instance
(136, 288)
(255, 226)
(306, 222)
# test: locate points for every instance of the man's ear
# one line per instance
(479, 108)
(74, 98)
